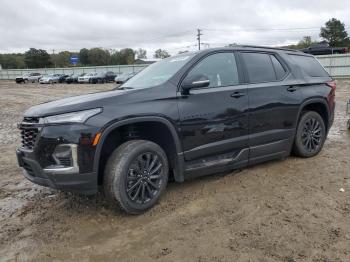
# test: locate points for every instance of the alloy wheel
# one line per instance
(144, 178)
(312, 135)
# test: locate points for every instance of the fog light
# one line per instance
(66, 160)
(63, 155)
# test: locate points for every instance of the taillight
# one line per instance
(333, 85)
(331, 95)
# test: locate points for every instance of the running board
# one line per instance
(217, 164)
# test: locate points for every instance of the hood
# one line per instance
(76, 103)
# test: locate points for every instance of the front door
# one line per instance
(214, 119)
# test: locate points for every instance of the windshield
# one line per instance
(158, 73)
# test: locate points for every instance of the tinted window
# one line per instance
(309, 65)
(220, 69)
(280, 72)
(259, 67)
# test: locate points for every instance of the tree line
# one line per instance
(39, 58)
(333, 32)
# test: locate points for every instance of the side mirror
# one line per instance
(195, 81)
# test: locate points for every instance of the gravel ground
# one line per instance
(288, 210)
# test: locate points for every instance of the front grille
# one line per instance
(29, 133)
(31, 120)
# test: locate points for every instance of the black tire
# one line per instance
(310, 134)
(136, 175)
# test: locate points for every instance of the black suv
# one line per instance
(185, 116)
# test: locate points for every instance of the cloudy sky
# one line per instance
(152, 24)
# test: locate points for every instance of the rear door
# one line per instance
(273, 105)
(214, 120)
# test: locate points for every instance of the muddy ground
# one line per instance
(289, 210)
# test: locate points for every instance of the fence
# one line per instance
(13, 73)
(337, 66)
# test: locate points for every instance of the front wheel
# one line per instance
(310, 135)
(136, 175)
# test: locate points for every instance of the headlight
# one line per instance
(75, 117)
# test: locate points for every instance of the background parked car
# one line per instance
(323, 48)
(34, 77)
(30, 77)
(22, 78)
(121, 79)
(98, 78)
(73, 78)
(62, 78)
(50, 79)
(110, 76)
(86, 78)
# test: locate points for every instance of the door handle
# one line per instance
(237, 94)
(292, 89)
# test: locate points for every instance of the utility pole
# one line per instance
(199, 38)
(53, 54)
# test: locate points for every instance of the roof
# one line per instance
(250, 47)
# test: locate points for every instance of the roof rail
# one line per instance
(267, 47)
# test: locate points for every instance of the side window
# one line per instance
(220, 69)
(259, 67)
(309, 65)
(280, 71)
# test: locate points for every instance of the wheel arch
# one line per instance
(178, 158)
(318, 105)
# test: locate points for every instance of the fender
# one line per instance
(178, 171)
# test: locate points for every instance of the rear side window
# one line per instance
(309, 65)
(259, 67)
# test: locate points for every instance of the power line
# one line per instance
(266, 29)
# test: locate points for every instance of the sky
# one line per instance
(151, 24)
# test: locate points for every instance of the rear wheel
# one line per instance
(310, 135)
(136, 175)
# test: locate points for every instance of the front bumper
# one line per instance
(46, 81)
(60, 157)
(64, 178)
(85, 80)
